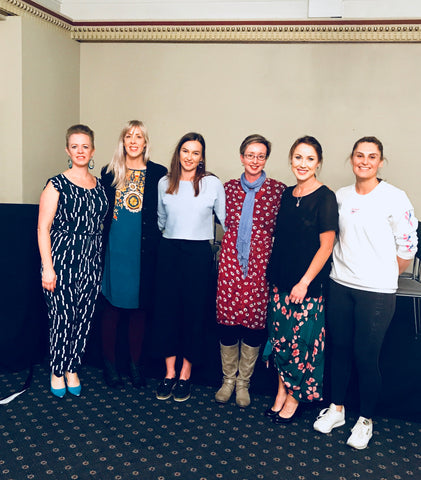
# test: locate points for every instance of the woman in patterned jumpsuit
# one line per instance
(72, 208)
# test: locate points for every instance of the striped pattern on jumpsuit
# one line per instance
(76, 244)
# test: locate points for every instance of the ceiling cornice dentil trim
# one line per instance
(325, 31)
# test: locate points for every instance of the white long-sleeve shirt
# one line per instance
(373, 230)
(184, 216)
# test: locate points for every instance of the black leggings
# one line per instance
(136, 331)
(357, 321)
(230, 335)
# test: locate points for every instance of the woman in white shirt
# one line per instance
(187, 199)
(377, 241)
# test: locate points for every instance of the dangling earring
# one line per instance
(91, 163)
(201, 164)
(69, 162)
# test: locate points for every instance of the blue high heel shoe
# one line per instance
(74, 390)
(58, 392)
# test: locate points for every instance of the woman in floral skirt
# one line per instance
(298, 269)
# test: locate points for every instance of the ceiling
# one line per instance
(233, 10)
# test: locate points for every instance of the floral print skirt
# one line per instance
(297, 341)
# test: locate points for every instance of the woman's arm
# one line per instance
(299, 291)
(47, 210)
(404, 227)
(162, 214)
(403, 264)
(219, 205)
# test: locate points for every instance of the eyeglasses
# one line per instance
(252, 156)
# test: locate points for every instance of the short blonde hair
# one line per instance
(79, 128)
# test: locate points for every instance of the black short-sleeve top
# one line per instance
(297, 238)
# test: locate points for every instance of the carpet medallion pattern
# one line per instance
(128, 434)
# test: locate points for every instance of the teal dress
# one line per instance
(121, 278)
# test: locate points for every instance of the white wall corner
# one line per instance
(54, 5)
(184, 10)
(325, 8)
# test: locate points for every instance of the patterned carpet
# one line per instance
(128, 434)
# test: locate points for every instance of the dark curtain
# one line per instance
(23, 317)
(24, 327)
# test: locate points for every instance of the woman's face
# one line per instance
(366, 161)
(304, 162)
(190, 156)
(79, 149)
(134, 144)
(254, 160)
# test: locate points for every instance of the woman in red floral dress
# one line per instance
(252, 204)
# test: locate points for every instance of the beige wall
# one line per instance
(39, 99)
(11, 111)
(336, 92)
(51, 75)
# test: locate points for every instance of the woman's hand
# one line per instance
(298, 292)
(49, 279)
(403, 264)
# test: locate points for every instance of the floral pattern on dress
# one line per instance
(243, 301)
(130, 196)
(297, 337)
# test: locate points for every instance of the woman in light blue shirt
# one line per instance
(187, 199)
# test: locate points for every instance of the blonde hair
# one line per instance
(117, 165)
(79, 128)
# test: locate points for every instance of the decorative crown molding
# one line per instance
(283, 32)
(329, 31)
(18, 7)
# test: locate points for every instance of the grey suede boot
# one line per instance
(248, 357)
(229, 359)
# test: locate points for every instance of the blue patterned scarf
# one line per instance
(246, 220)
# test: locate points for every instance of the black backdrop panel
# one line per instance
(23, 318)
(24, 328)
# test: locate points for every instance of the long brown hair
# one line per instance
(175, 168)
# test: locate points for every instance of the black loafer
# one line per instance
(182, 391)
(165, 388)
(271, 413)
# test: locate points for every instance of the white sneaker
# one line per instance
(329, 418)
(362, 431)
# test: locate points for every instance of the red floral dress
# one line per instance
(243, 301)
